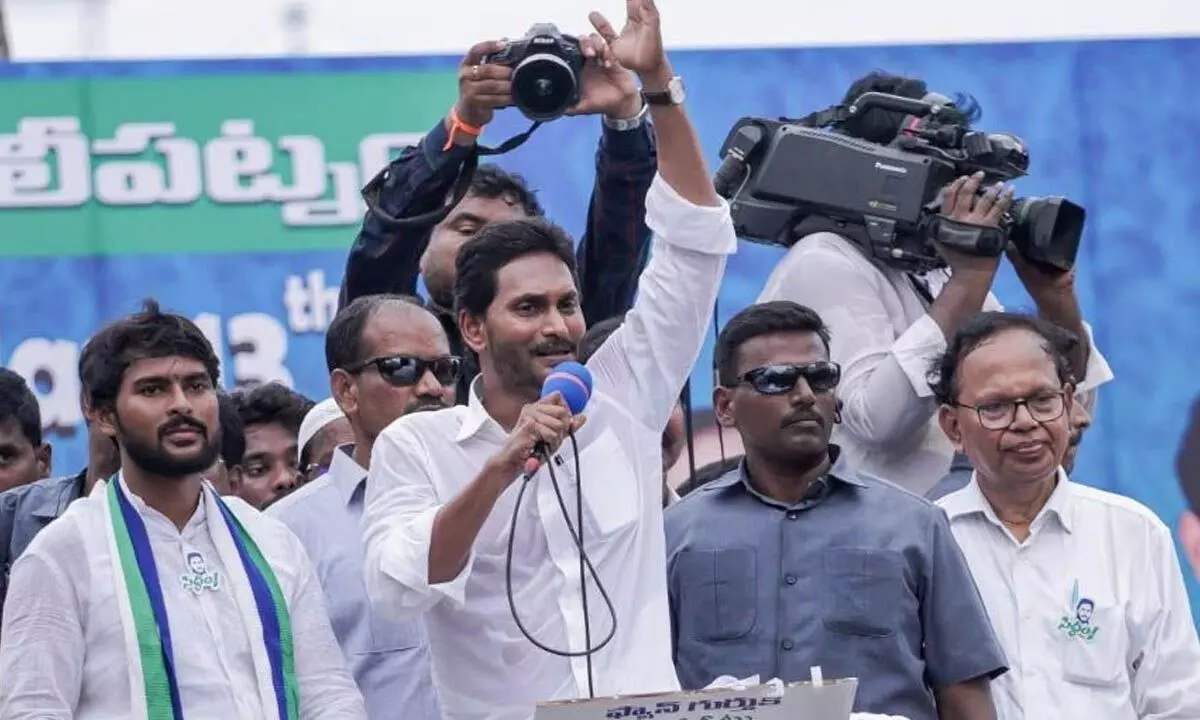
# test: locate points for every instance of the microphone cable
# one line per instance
(585, 563)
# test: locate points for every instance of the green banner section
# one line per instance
(226, 163)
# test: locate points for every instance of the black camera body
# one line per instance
(546, 72)
(786, 179)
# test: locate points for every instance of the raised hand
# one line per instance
(607, 88)
(639, 45)
(482, 87)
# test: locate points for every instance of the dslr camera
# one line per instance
(786, 179)
(546, 68)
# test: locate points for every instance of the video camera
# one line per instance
(786, 179)
(546, 66)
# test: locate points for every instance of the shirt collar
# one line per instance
(477, 416)
(63, 492)
(347, 475)
(970, 501)
(840, 471)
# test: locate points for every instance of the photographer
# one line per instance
(889, 323)
(387, 259)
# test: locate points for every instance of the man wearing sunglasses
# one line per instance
(1082, 586)
(387, 357)
(794, 560)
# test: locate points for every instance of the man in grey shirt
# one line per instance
(794, 560)
(387, 357)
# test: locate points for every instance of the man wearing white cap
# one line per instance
(325, 427)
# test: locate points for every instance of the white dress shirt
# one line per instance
(62, 651)
(483, 666)
(885, 342)
(389, 660)
(1137, 654)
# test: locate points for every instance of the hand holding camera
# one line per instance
(482, 87)
(969, 210)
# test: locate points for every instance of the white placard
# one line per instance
(832, 700)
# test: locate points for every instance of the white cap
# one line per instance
(321, 415)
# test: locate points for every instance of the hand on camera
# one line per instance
(963, 203)
(548, 421)
(606, 88)
(1039, 280)
(483, 88)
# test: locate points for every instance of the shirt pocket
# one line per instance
(610, 484)
(1096, 656)
(717, 593)
(863, 591)
(388, 636)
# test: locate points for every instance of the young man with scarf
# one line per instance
(153, 597)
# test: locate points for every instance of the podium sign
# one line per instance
(830, 700)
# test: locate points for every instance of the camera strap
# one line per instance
(462, 184)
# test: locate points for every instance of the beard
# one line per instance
(425, 404)
(515, 365)
(157, 460)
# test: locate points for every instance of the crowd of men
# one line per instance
(903, 512)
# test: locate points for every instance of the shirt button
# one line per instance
(790, 579)
(787, 644)
(793, 515)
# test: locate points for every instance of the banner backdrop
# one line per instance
(228, 190)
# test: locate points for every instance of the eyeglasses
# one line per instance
(822, 377)
(407, 370)
(999, 415)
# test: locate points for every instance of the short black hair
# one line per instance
(233, 432)
(496, 245)
(271, 402)
(943, 372)
(150, 333)
(882, 126)
(343, 337)
(707, 473)
(596, 335)
(18, 404)
(1187, 461)
(490, 181)
(769, 318)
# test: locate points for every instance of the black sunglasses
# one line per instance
(822, 377)
(407, 370)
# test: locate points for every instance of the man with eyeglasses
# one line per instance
(1082, 586)
(794, 560)
(387, 357)
(1080, 420)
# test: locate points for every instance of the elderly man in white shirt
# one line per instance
(889, 321)
(1083, 587)
(443, 486)
(153, 597)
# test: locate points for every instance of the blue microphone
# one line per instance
(574, 382)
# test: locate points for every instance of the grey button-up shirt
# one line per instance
(26, 510)
(389, 660)
(861, 578)
(955, 480)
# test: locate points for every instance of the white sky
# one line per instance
(83, 29)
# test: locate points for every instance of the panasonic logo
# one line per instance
(890, 168)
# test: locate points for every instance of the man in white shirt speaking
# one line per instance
(152, 598)
(443, 486)
(1082, 586)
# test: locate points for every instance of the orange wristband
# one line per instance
(458, 126)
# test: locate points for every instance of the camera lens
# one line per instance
(543, 86)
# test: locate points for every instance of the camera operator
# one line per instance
(387, 259)
(888, 324)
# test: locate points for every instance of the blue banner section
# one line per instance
(1109, 124)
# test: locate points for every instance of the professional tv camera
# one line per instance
(786, 179)
(546, 66)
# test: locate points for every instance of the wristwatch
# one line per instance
(673, 95)
(623, 124)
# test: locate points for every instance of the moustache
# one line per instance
(553, 347)
(182, 423)
(426, 406)
(802, 416)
